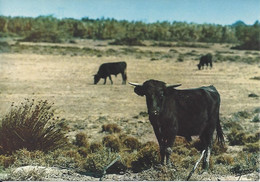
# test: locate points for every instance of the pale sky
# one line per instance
(223, 12)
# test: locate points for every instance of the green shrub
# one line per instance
(252, 147)
(4, 47)
(245, 163)
(43, 36)
(253, 138)
(256, 118)
(23, 157)
(180, 58)
(69, 158)
(130, 41)
(96, 162)
(32, 126)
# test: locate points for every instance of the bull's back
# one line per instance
(112, 68)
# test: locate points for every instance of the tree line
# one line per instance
(247, 36)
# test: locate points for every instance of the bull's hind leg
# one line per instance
(206, 157)
(206, 140)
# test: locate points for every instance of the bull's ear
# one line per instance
(139, 90)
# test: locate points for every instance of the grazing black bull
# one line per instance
(108, 69)
(205, 60)
(182, 112)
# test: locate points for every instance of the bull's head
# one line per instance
(96, 78)
(199, 66)
(155, 92)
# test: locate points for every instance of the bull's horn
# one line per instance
(135, 84)
(173, 86)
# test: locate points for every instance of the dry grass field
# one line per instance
(67, 80)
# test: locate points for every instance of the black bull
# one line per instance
(184, 113)
(205, 60)
(107, 69)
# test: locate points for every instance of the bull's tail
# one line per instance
(220, 134)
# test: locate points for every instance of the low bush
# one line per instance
(95, 146)
(31, 125)
(245, 163)
(232, 125)
(4, 47)
(130, 41)
(253, 138)
(69, 158)
(225, 159)
(6, 161)
(112, 142)
(147, 157)
(96, 162)
(217, 148)
(43, 36)
(83, 151)
(131, 143)
(252, 147)
(81, 140)
(111, 128)
(236, 137)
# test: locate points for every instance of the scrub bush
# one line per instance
(81, 140)
(32, 126)
(111, 128)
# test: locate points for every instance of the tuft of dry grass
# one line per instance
(111, 128)
(131, 143)
(146, 157)
(112, 142)
(31, 125)
(236, 137)
(81, 140)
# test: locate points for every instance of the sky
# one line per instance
(224, 12)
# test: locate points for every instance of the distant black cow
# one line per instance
(108, 69)
(205, 60)
(185, 113)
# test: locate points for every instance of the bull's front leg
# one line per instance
(105, 80)
(123, 78)
(170, 134)
(110, 79)
(158, 134)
